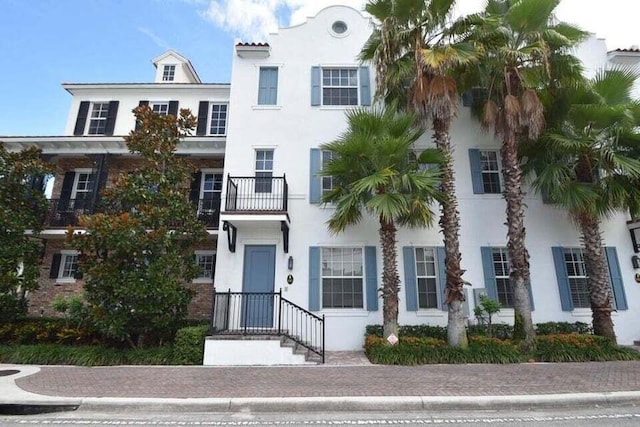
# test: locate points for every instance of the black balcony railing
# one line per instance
(65, 212)
(267, 313)
(257, 194)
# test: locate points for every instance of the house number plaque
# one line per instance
(290, 279)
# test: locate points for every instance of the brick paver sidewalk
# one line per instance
(328, 380)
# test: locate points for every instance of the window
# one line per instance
(82, 190)
(218, 124)
(427, 279)
(490, 171)
(339, 27)
(264, 171)
(210, 191)
(206, 261)
(98, 119)
(68, 266)
(268, 86)
(500, 258)
(577, 276)
(342, 277)
(339, 86)
(326, 181)
(168, 73)
(161, 108)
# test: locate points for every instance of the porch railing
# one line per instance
(209, 212)
(257, 194)
(267, 313)
(64, 212)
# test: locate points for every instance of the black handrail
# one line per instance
(257, 194)
(64, 212)
(267, 313)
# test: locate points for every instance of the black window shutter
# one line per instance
(173, 108)
(213, 270)
(55, 266)
(65, 192)
(111, 118)
(203, 113)
(83, 112)
(140, 104)
(194, 193)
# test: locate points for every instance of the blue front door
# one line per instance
(259, 281)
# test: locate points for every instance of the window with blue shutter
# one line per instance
(495, 264)
(371, 277)
(315, 86)
(572, 278)
(485, 171)
(314, 278)
(365, 87)
(268, 86)
(424, 277)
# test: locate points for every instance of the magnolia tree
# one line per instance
(137, 252)
(23, 209)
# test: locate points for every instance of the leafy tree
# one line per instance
(485, 310)
(412, 50)
(136, 254)
(588, 164)
(373, 168)
(515, 38)
(23, 210)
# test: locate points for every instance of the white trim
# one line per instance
(210, 118)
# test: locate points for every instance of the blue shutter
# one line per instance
(410, 285)
(268, 86)
(365, 87)
(476, 171)
(617, 285)
(315, 192)
(315, 86)
(489, 273)
(314, 278)
(442, 276)
(563, 279)
(371, 273)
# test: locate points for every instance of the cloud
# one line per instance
(154, 37)
(253, 20)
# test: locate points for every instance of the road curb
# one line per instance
(361, 403)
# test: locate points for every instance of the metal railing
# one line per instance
(257, 194)
(267, 313)
(64, 212)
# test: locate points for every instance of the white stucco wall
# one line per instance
(293, 127)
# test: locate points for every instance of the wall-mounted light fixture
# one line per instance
(634, 231)
(290, 263)
(635, 261)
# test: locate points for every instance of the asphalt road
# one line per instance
(620, 416)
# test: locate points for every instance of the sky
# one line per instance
(44, 43)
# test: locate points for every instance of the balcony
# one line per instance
(257, 194)
(66, 212)
(257, 199)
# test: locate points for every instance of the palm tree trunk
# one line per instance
(598, 282)
(390, 278)
(518, 257)
(450, 226)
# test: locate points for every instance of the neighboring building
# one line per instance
(92, 153)
(287, 97)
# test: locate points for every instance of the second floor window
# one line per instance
(98, 118)
(327, 181)
(490, 171)
(169, 73)
(161, 108)
(339, 86)
(264, 171)
(218, 124)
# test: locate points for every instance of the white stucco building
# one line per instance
(288, 96)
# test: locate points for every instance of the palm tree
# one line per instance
(588, 165)
(373, 170)
(515, 38)
(412, 58)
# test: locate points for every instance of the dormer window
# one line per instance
(168, 73)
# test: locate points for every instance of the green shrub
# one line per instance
(500, 330)
(549, 328)
(188, 346)
(56, 354)
(418, 331)
(579, 348)
(417, 351)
